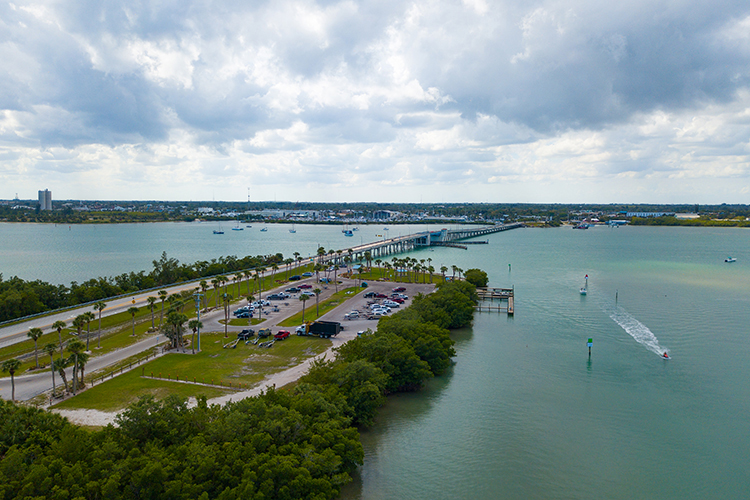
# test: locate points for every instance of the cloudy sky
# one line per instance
(377, 100)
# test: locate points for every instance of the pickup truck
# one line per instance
(281, 334)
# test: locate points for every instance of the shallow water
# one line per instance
(525, 413)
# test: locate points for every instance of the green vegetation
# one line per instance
(274, 446)
(246, 364)
(19, 298)
(476, 277)
(290, 444)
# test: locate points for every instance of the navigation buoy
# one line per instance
(590, 343)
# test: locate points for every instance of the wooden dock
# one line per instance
(488, 296)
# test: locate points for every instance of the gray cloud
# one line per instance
(425, 92)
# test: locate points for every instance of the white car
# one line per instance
(352, 315)
(390, 303)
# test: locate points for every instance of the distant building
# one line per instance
(45, 200)
(385, 214)
(649, 214)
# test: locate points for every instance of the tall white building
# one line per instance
(45, 200)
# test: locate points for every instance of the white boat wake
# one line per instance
(637, 330)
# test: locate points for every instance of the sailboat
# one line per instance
(219, 231)
(292, 230)
(584, 290)
(237, 227)
(264, 230)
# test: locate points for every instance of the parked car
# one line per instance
(399, 289)
(352, 315)
(398, 299)
(380, 296)
(296, 277)
(264, 332)
(390, 303)
(275, 296)
(244, 314)
(369, 295)
(246, 334)
(282, 334)
(292, 290)
(304, 286)
(307, 275)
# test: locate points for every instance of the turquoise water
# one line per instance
(526, 414)
(60, 253)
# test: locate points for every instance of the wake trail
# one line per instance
(634, 328)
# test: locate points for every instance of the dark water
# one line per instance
(526, 414)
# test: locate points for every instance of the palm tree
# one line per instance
(288, 263)
(227, 299)
(321, 253)
(60, 365)
(204, 287)
(99, 306)
(34, 334)
(377, 263)
(50, 349)
(11, 366)
(317, 292)
(151, 304)
(89, 317)
(173, 328)
(443, 270)
(75, 348)
(432, 272)
(162, 296)
(194, 325)
(303, 298)
(454, 267)
(317, 268)
(274, 268)
(78, 323)
(297, 258)
(368, 259)
(133, 311)
(59, 325)
(216, 283)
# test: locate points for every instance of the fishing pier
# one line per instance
(445, 238)
(488, 296)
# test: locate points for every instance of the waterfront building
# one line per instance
(45, 200)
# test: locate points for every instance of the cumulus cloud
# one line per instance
(471, 100)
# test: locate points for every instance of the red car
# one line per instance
(399, 289)
(282, 334)
(380, 296)
(304, 286)
(398, 299)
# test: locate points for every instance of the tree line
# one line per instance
(296, 444)
(19, 298)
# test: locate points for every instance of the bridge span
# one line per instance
(443, 237)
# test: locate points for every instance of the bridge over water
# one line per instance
(444, 237)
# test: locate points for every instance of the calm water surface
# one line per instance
(61, 253)
(526, 414)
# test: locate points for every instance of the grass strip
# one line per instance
(246, 364)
